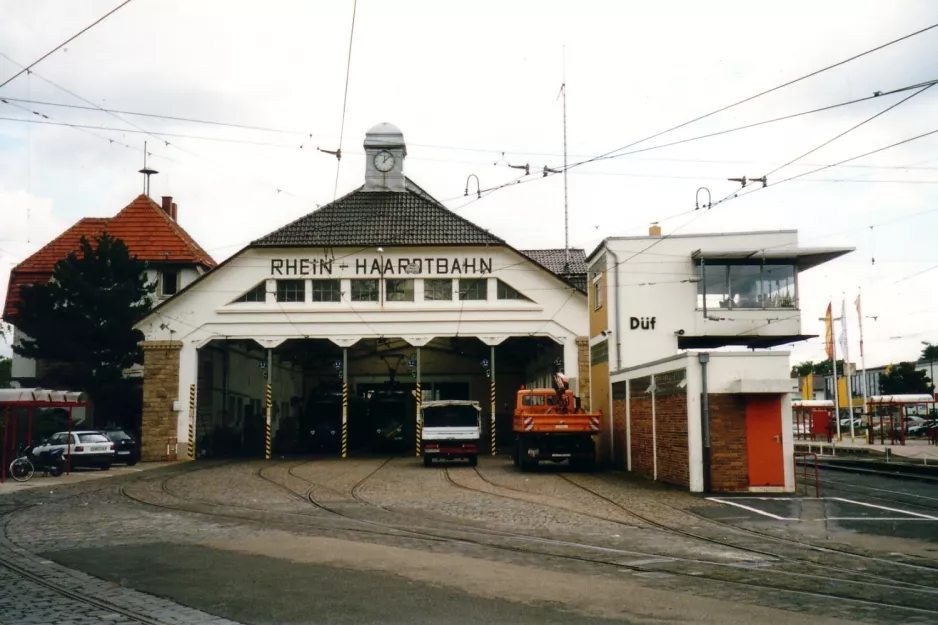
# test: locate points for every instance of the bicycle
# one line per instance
(21, 469)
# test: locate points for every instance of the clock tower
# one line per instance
(384, 158)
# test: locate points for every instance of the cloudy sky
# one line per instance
(469, 81)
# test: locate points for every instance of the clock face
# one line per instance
(384, 161)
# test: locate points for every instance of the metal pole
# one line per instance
(3, 451)
(191, 449)
(836, 391)
(492, 397)
(869, 417)
(704, 358)
(68, 447)
(345, 402)
(419, 397)
(270, 397)
(843, 323)
(29, 426)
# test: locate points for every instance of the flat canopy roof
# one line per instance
(39, 396)
(755, 342)
(812, 403)
(901, 399)
(803, 257)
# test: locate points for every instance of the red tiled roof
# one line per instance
(149, 233)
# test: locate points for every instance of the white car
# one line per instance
(88, 448)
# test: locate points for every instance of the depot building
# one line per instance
(335, 327)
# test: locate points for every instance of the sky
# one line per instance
(468, 82)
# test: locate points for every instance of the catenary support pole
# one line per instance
(492, 398)
(419, 397)
(345, 402)
(191, 448)
(270, 397)
(68, 446)
(704, 358)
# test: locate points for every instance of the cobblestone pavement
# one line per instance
(572, 528)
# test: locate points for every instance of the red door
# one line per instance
(764, 440)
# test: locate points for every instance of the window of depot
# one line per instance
(327, 290)
(364, 290)
(506, 291)
(597, 293)
(746, 285)
(473, 289)
(257, 294)
(399, 290)
(438, 290)
(291, 290)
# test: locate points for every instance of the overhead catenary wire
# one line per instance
(81, 32)
(926, 87)
(348, 73)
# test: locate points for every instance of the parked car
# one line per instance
(89, 448)
(126, 447)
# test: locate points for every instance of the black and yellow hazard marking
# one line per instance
(191, 448)
(419, 396)
(270, 397)
(344, 420)
(492, 407)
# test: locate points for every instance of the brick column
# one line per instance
(160, 389)
(583, 370)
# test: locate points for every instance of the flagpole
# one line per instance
(836, 391)
(843, 321)
(862, 355)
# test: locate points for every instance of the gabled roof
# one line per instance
(380, 218)
(149, 233)
(556, 261)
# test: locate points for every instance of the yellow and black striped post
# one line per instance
(492, 396)
(345, 402)
(191, 449)
(270, 402)
(419, 396)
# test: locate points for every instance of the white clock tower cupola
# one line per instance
(384, 158)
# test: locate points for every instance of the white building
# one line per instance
(658, 305)
(380, 293)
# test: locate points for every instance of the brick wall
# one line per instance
(671, 431)
(641, 440)
(160, 388)
(583, 370)
(728, 460)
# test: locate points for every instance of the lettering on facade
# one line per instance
(645, 323)
(433, 266)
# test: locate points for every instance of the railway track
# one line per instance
(910, 599)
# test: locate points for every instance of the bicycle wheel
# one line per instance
(21, 469)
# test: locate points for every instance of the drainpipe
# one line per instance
(615, 296)
(618, 335)
(704, 358)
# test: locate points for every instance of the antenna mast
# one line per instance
(146, 172)
(566, 216)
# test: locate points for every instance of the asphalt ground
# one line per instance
(860, 502)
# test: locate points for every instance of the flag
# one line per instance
(829, 333)
(857, 304)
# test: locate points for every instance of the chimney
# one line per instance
(168, 205)
(654, 230)
(174, 213)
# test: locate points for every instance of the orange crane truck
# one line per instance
(549, 426)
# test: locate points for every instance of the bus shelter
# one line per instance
(813, 419)
(902, 416)
(18, 408)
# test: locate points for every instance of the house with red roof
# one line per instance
(150, 231)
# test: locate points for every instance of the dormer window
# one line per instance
(169, 282)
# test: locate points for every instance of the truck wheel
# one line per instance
(473, 461)
(427, 461)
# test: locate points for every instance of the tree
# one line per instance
(6, 372)
(822, 367)
(903, 378)
(81, 321)
(930, 352)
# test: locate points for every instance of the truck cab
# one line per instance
(450, 429)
